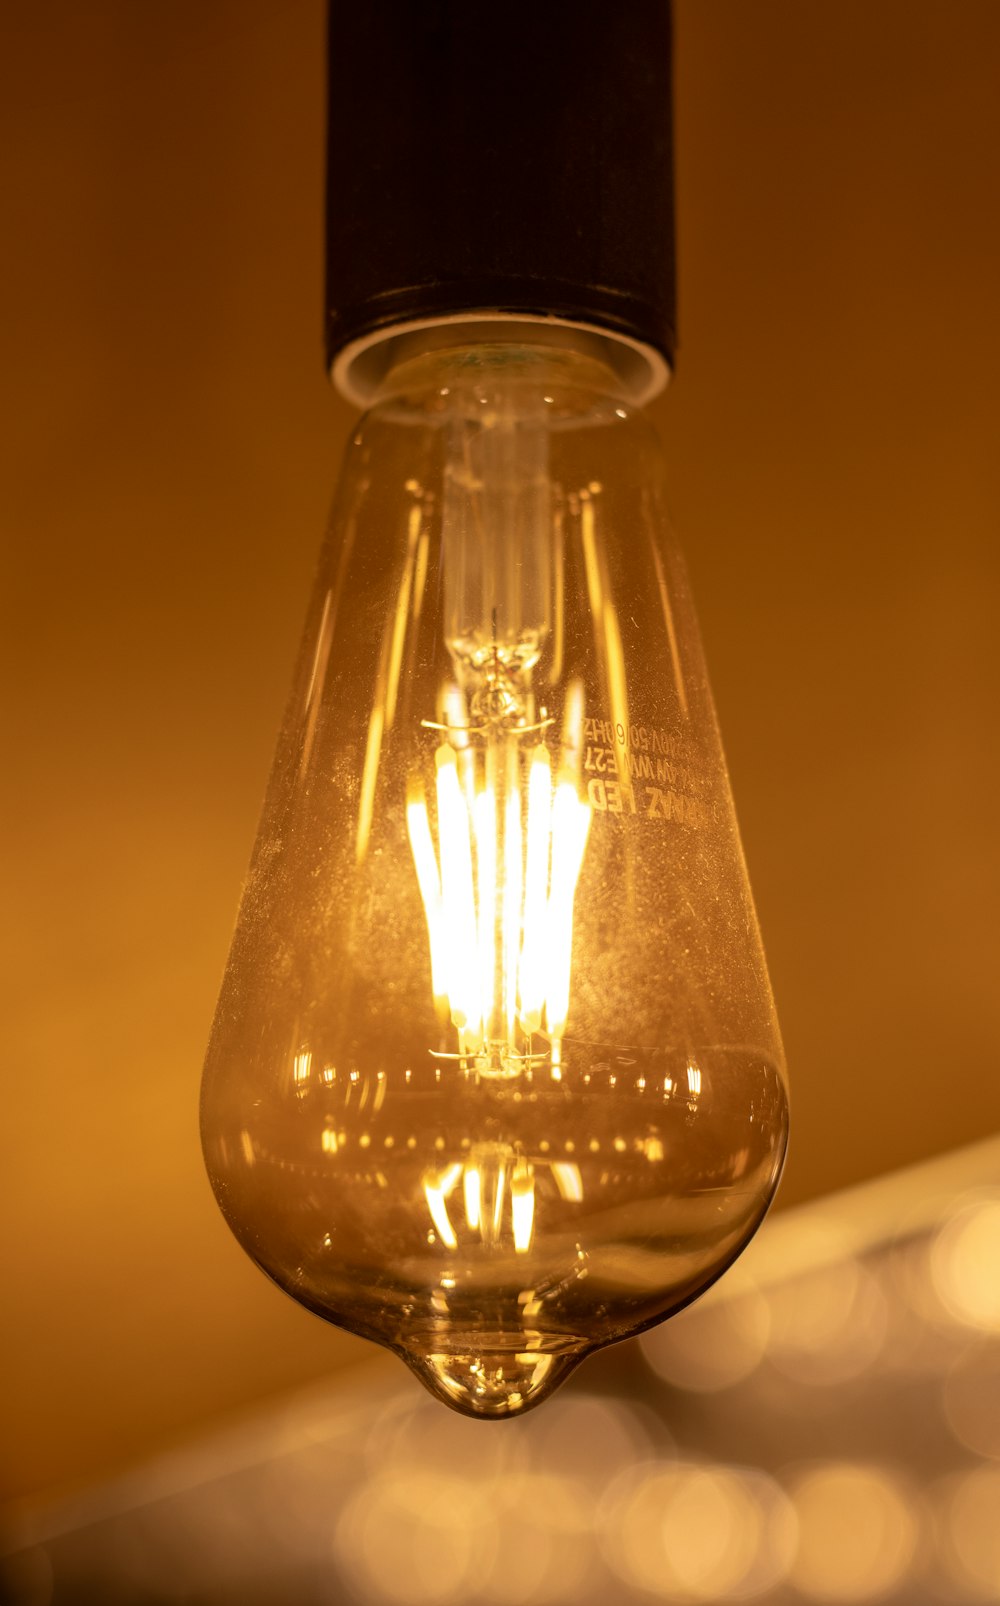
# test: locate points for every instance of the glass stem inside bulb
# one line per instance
(497, 545)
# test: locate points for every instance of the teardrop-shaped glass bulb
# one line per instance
(495, 1077)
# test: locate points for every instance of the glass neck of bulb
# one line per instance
(502, 352)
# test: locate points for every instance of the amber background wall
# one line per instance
(170, 444)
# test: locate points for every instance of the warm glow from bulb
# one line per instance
(472, 1184)
(536, 890)
(458, 926)
(513, 882)
(498, 891)
(500, 1083)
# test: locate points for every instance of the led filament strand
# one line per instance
(498, 891)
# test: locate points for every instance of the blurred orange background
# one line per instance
(171, 446)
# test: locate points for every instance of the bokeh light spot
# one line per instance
(965, 1258)
(857, 1532)
(692, 1532)
(971, 1505)
(712, 1345)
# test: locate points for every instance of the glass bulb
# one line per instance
(495, 1077)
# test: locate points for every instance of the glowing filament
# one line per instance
(458, 927)
(532, 973)
(498, 890)
(471, 1184)
(484, 815)
(512, 893)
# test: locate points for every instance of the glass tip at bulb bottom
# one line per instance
(492, 1380)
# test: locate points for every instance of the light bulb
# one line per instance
(495, 1077)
